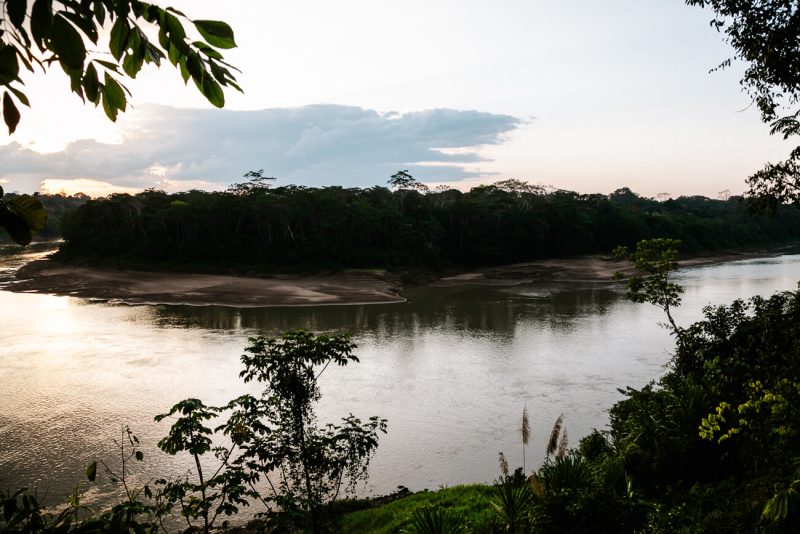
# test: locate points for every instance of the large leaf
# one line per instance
(91, 84)
(16, 11)
(30, 210)
(216, 33)
(119, 38)
(42, 22)
(15, 226)
(9, 67)
(10, 113)
(86, 25)
(213, 92)
(114, 93)
(67, 43)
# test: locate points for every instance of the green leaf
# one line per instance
(139, 455)
(99, 12)
(174, 54)
(42, 22)
(207, 50)
(213, 92)
(184, 69)
(132, 64)
(86, 25)
(10, 113)
(91, 84)
(9, 67)
(16, 11)
(119, 38)
(108, 65)
(114, 93)
(67, 43)
(216, 33)
(174, 28)
(111, 111)
(30, 210)
(91, 471)
(20, 96)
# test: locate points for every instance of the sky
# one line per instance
(578, 94)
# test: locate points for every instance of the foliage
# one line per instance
(44, 32)
(141, 509)
(402, 180)
(434, 520)
(294, 228)
(470, 503)
(21, 216)
(654, 260)
(303, 464)
(764, 36)
(222, 492)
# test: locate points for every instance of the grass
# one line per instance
(471, 502)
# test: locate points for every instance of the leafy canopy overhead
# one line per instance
(69, 33)
(766, 36)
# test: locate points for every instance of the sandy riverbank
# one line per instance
(352, 287)
(140, 287)
(594, 268)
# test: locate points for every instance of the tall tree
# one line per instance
(765, 35)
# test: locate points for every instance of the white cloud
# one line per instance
(311, 145)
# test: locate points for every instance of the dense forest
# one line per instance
(255, 228)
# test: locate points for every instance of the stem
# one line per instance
(202, 490)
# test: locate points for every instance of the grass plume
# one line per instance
(503, 464)
(552, 444)
(562, 446)
(525, 430)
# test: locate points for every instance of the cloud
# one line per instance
(311, 145)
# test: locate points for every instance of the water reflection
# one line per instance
(473, 310)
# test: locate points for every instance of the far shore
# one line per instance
(348, 287)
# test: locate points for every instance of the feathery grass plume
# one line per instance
(552, 444)
(537, 488)
(562, 447)
(503, 464)
(525, 430)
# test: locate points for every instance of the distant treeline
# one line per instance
(295, 228)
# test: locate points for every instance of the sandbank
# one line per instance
(349, 287)
(145, 287)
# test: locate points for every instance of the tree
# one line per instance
(654, 260)
(45, 32)
(403, 180)
(304, 464)
(273, 439)
(764, 35)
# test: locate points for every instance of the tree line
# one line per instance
(252, 227)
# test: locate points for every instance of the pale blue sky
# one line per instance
(581, 95)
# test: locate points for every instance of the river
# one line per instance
(451, 370)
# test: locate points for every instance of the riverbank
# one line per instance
(347, 287)
(144, 287)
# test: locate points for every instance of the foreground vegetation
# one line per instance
(254, 228)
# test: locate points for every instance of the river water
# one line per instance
(451, 370)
